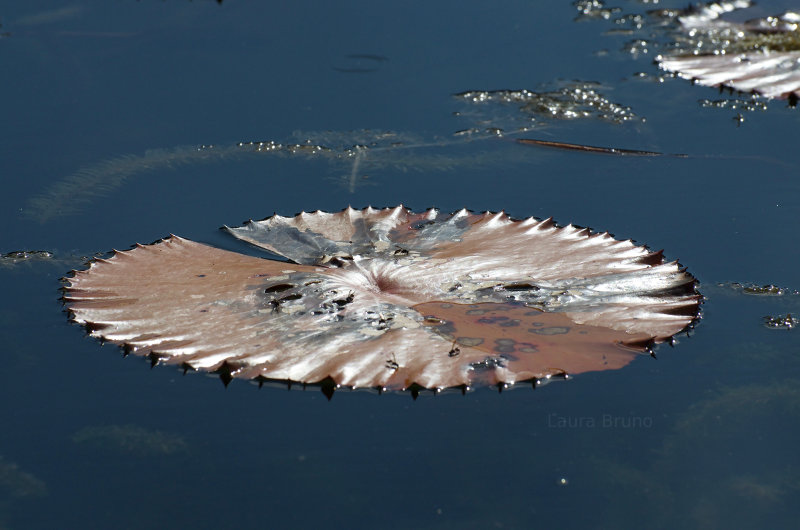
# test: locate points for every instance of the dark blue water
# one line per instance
(704, 437)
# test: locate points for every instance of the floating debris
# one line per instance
(574, 100)
(20, 256)
(26, 257)
(594, 9)
(760, 290)
(389, 299)
(594, 149)
(749, 104)
(781, 321)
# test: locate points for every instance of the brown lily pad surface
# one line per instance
(760, 56)
(768, 73)
(389, 299)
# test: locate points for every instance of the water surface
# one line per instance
(703, 437)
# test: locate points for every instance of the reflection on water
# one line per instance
(17, 486)
(130, 439)
(18, 483)
(488, 115)
(712, 435)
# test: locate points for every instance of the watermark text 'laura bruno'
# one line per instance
(603, 421)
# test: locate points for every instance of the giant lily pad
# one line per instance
(389, 299)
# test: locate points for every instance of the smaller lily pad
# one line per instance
(759, 56)
(768, 73)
